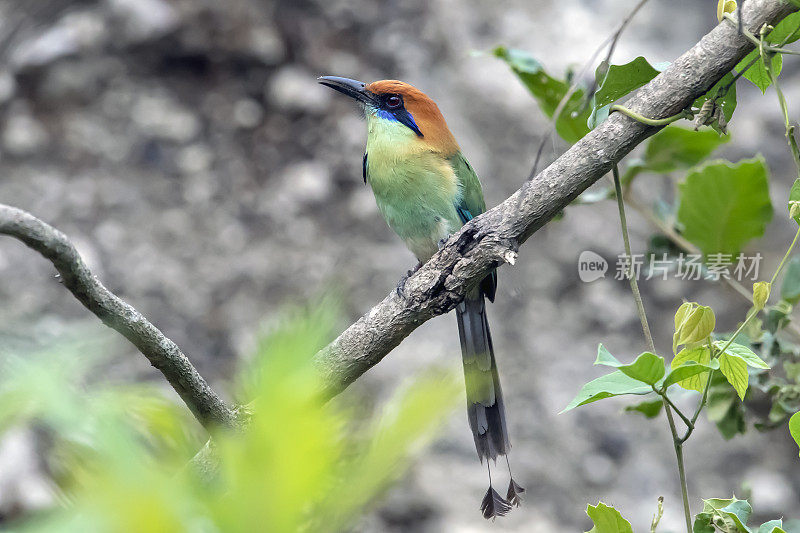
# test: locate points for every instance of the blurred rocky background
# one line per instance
(186, 148)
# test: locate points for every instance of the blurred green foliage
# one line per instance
(120, 454)
(725, 205)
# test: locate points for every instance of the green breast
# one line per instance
(416, 193)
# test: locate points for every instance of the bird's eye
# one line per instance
(393, 102)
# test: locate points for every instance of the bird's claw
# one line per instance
(443, 241)
(401, 285)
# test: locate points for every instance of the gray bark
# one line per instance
(162, 353)
(484, 243)
(493, 238)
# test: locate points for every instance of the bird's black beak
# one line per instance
(352, 88)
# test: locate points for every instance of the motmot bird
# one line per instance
(426, 190)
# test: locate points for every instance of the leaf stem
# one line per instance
(681, 471)
(752, 313)
(678, 445)
(686, 113)
(756, 41)
(663, 394)
(700, 407)
(785, 257)
(629, 270)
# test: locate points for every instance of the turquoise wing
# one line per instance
(470, 206)
(471, 192)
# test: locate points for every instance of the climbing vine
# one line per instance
(719, 207)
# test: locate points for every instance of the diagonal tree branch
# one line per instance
(484, 243)
(493, 238)
(162, 353)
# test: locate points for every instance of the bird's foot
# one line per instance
(443, 241)
(401, 285)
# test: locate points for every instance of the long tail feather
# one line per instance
(485, 409)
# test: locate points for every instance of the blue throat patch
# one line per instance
(402, 116)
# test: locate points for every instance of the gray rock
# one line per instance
(144, 19)
(247, 113)
(265, 43)
(76, 31)
(161, 117)
(23, 134)
(8, 86)
(293, 88)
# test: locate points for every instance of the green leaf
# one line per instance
(787, 31)
(758, 72)
(613, 384)
(604, 357)
(683, 311)
(724, 407)
(688, 370)
(744, 353)
(647, 368)
(622, 79)
(649, 408)
(792, 371)
(548, 92)
(702, 523)
(733, 511)
(773, 526)
(727, 102)
(794, 427)
(790, 287)
(723, 206)
(735, 371)
(761, 292)
(698, 355)
(616, 82)
(740, 511)
(693, 324)
(676, 148)
(794, 201)
(607, 520)
(725, 6)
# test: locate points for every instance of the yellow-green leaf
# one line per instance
(744, 353)
(725, 6)
(761, 292)
(735, 371)
(794, 427)
(794, 201)
(701, 355)
(696, 324)
(607, 520)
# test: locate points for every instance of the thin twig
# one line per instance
(668, 405)
(699, 409)
(611, 42)
(162, 353)
(689, 423)
(629, 270)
